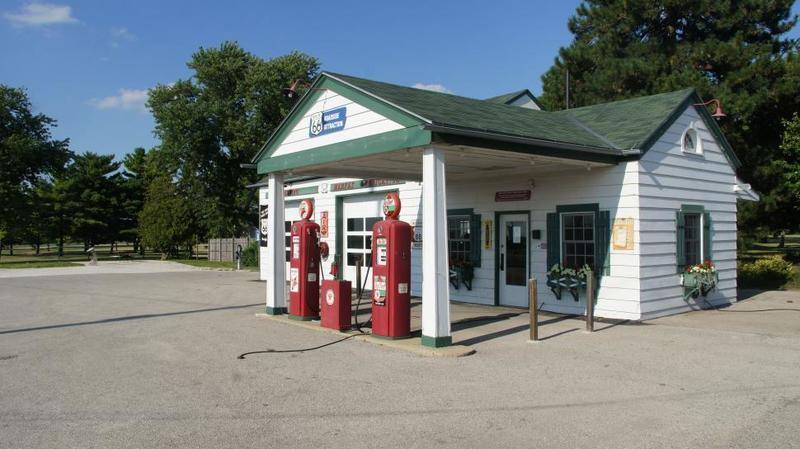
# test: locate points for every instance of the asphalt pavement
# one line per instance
(119, 360)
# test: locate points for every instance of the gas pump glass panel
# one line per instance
(513, 269)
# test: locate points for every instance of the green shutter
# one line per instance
(680, 257)
(707, 234)
(553, 240)
(475, 239)
(602, 243)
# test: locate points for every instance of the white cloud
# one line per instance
(119, 35)
(40, 14)
(433, 87)
(128, 99)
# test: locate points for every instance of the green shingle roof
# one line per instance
(472, 114)
(608, 128)
(630, 123)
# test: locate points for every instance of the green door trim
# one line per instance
(497, 215)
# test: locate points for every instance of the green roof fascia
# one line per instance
(691, 99)
(512, 144)
(365, 146)
(304, 104)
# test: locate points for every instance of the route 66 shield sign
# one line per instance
(316, 124)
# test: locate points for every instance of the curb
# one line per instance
(412, 345)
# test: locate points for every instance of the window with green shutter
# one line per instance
(693, 236)
(579, 234)
(464, 236)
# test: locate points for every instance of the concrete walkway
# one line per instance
(104, 267)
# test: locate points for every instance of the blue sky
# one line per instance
(88, 63)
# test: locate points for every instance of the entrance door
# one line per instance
(360, 213)
(513, 260)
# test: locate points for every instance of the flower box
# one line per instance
(560, 278)
(699, 280)
(462, 273)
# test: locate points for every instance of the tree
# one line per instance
(88, 193)
(28, 153)
(134, 184)
(163, 221)
(728, 49)
(216, 121)
(789, 165)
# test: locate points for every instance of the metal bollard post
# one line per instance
(534, 310)
(358, 278)
(590, 293)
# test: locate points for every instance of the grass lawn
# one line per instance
(25, 255)
(38, 264)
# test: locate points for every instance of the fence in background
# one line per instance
(223, 250)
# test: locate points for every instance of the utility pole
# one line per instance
(566, 90)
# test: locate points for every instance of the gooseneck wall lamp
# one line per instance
(291, 91)
(718, 113)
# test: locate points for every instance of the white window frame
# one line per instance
(562, 241)
(698, 142)
(701, 222)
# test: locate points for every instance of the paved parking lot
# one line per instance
(149, 360)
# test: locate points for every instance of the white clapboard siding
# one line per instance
(669, 178)
(361, 122)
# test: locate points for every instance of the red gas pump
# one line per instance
(304, 266)
(335, 306)
(391, 273)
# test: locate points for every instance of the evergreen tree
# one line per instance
(164, 220)
(734, 50)
(89, 194)
(134, 185)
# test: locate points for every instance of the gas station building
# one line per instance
(499, 191)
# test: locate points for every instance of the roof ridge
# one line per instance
(398, 85)
(509, 94)
(688, 90)
(482, 100)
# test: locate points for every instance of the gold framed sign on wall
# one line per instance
(622, 234)
(487, 234)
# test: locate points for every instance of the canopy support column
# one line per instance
(276, 252)
(435, 272)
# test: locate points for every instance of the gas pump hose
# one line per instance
(286, 351)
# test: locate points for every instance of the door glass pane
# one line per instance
(516, 252)
(353, 257)
(355, 224)
(355, 241)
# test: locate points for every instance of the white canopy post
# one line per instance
(435, 272)
(276, 252)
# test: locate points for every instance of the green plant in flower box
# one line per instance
(699, 279)
(462, 272)
(562, 277)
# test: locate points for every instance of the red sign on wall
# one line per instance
(323, 224)
(512, 195)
